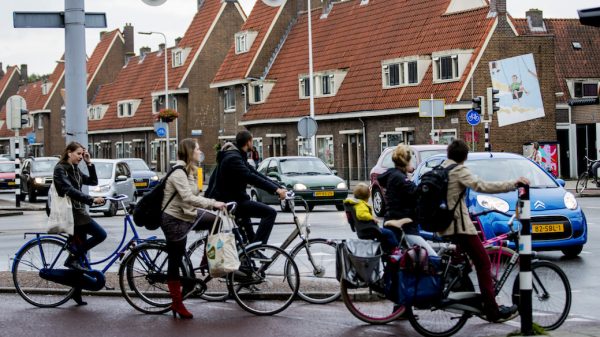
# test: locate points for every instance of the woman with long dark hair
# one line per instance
(181, 205)
(68, 180)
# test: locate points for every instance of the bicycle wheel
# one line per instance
(551, 295)
(433, 322)
(143, 278)
(500, 258)
(582, 183)
(369, 304)
(217, 287)
(316, 263)
(264, 286)
(46, 253)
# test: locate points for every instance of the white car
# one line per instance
(114, 177)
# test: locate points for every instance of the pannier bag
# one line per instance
(359, 262)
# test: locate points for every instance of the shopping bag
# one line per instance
(221, 250)
(359, 262)
(61, 213)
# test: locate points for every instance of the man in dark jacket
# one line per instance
(233, 174)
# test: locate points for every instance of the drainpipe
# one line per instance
(364, 130)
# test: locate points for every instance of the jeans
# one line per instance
(251, 209)
(418, 240)
(80, 237)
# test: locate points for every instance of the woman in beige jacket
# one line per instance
(462, 231)
(180, 215)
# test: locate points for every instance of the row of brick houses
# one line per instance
(373, 61)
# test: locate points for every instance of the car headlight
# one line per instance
(299, 187)
(102, 188)
(154, 178)
(570, 201)
(39, 180)
(489, 202)
(342, 186)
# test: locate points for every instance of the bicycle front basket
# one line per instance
(361, 262)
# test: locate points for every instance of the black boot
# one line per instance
(77, 297)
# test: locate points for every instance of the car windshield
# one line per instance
(7, 167)
(511, 169)
(44, 165)
(388, 162)
(303, 166)
(104, 170)
(137, 165)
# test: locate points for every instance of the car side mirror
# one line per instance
(561, 182)
(334, 172)
(273, 176)
(121, 178)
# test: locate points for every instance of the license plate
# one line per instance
(324, 194)
(141, 184)
(549, 228)
(11, 183)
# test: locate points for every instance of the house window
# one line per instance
(446, 67)
(258, 93)
(325, 149)
(229, 99)
(412, 72)
(158, 103)
(127, 150)
(97, 112)
(177, 58)
(154, 151)
(119, 148)
(326, 84)
(241, 43)
(305, 87)
(40, 122)
(586, 89)
(46, 88)
(392, 74)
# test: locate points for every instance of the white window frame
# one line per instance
(241, 43)
(259, 88)
(583, 83)
(328, 141)
(437, 134)
(304, 87)
(40, 122)
(229, 99)
(177, 58)
(327, 80)
(127, 108)
(119, 150)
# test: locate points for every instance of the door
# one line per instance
(564, 166)
(121, 186)
(586, 145)
(268, 198)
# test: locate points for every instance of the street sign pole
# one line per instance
(432, 122)
(525, 257)
(17, 171)
(473, 137)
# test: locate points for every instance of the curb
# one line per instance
(22, 209)
(10, 213)
(585, 194)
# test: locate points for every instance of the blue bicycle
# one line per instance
(40, 277)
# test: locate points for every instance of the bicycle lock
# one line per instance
(525, 257)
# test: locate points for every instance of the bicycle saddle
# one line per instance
(397, 223)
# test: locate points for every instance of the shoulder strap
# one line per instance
(165, 181)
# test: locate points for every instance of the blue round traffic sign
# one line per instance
(161, 132)
(473, 117)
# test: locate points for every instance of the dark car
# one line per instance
(143, 177)
(36, 177)
(419, 153)
(309, 177)
(7, 175)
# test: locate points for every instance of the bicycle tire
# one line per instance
(415, 316)
(217, 290)
(26, 270)
(500, 258)
(541, 294)
(319, 275)
(369, 305)
(582, 183)
(147, 263)
(244, 284)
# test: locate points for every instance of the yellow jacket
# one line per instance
(364, 211)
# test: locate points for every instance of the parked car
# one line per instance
(114, 177)
(143, 177)
(7, 175)
(6, 156)
(419, 153)
(36, 177)
(309, 177)
(558, 223)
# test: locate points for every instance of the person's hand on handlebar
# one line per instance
(219, 205)
(521, 181)
(99, 201)
(281, 192)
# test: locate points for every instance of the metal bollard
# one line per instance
(17, 172)
(525, 257)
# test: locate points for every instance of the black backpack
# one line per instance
(148, 211)
(433, 214)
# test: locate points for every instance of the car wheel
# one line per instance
(339, 207)
(112, 210)
(32, 195)
(254, 196)
(378, 203)
(284, 206)
(572, 252)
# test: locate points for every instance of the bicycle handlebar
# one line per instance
(117, 197)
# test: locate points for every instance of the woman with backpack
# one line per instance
(181, 205)
(68, 180)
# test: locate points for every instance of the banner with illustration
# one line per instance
(520, 96)
(549, 154)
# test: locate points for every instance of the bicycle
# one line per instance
(315, 259)
(36, 268)
(266, 283)
(459, 302)
(586, 176)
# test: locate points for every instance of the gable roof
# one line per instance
(570, 63)
(5, 80)
(358, 38)
(100, 53)
(237, 66)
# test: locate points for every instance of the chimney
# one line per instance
(161, 46)
(177, 40)
(535, 20)
(129, 38)
(144, 51)
(1, 70)
(102, 34)
(497, 7)
(24, 75)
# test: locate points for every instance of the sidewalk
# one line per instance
(6, 206)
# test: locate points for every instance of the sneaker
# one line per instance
(504, 313)
(259, 256)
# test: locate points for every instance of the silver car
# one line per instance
(114, 177)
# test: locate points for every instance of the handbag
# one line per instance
(61, 213)
(221, 250)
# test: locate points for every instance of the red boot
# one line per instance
(177, 306)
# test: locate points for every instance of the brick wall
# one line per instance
(585, 114)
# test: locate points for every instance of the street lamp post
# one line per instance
(166, 98)
(311, 85)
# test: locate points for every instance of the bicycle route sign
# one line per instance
(473, 118)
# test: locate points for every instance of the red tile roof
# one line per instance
(137, 80)
(5, 80)
(358, 38)
(236, 66)
(94, 62)
(570, 62)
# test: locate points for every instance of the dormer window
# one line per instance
(585, 89)
(178, 56)
(127, 108)
(259, 91)
(243, 41)
(46, 88)
(403, 71)
(158, 103)
(304, 87)
(96, 112)
(448, 66)
(326, 83)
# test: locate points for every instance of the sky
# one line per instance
(40, 48)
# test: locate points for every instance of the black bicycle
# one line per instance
(586, 177)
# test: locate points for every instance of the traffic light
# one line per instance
(492, 100)
(479, 105)
(24, 117)
(17, 118)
